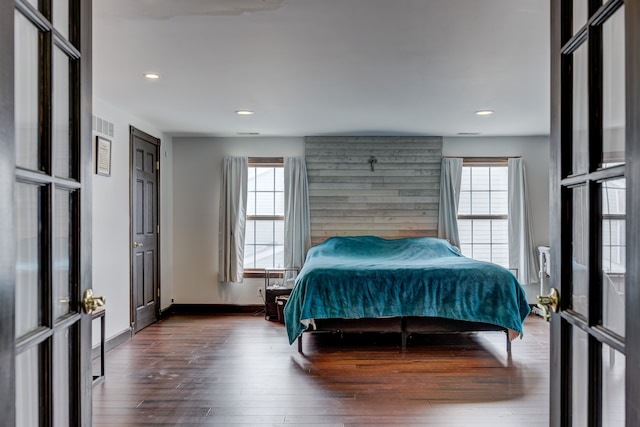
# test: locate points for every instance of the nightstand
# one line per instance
(277, 282)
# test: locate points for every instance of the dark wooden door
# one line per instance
(145, 228)
(45, 219)
(595, 200)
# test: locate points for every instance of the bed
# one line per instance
(407, 285)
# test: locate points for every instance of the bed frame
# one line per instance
(405, 326)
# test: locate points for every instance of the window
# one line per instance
(264, 233)
(483, 212)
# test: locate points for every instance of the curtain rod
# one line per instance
(488, 160)
(491, 158)
(266, 160)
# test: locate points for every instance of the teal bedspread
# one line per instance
(369, 277)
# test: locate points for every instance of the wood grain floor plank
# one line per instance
(237, 369)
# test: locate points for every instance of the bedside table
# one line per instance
(278, 282)
(271, 305)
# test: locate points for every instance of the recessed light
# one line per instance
(152, 76)
(484, 112)
(244, 112)
(468, 133)
(248, 133)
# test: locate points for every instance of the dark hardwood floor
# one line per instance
(236, 369)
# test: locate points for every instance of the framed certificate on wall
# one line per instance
(103, 156)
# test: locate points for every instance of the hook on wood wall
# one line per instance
(372, 161)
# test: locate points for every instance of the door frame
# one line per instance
(134, 132)
(7, 243)
(86, 205)
(556, 388)
(632, 43)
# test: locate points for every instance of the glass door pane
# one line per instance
(28, 258)
(613, 92)
(61, 17)
(63, 233)
(580, 140)
(26, 86)
(580, 259)
(580, 14)
(62, 373)
(613, 384)
(29, 388)
(61, 132)
(613, 254)
(580, 375)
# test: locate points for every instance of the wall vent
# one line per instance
(102, 126)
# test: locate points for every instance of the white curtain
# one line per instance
(233, 216)
(450, 177)
(297, 219)
(522, 251)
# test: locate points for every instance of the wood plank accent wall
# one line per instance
(398, 199)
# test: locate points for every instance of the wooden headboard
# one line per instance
(382, 186)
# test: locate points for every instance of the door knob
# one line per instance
(90, 303)
(137, 245)
(549, 302)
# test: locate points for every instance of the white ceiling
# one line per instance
(326, 67)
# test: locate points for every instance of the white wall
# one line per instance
(189, 213)
(535, 153)
(197, 164)
(111, 242)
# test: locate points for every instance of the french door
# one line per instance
(595, 201)
(45, 343)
